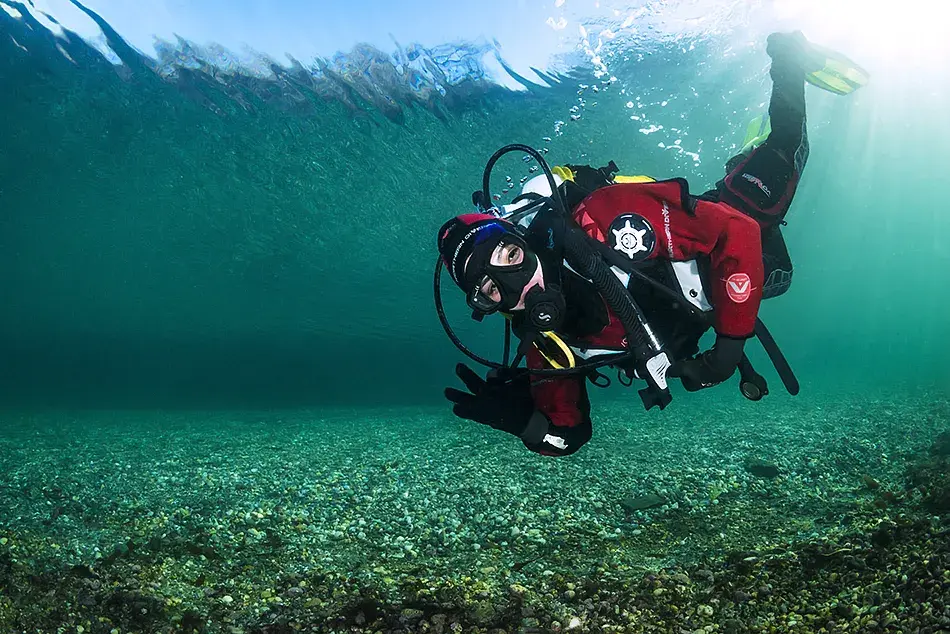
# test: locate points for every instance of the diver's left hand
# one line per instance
(499, 403)
(711, 367)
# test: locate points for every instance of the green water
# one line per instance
(154, 251)
(219, 318)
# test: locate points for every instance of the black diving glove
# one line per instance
(711, 367)
(502, 404)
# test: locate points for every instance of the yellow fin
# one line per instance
(563, 172)
(840, 75)
(633, 179)
(756, 133)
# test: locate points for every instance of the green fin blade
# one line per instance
(840, 75)
(756, 133)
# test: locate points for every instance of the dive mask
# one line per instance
(494, 287)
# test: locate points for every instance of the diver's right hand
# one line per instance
(505, 405)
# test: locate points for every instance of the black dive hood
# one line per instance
(554, 236)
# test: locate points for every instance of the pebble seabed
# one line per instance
(796, 515)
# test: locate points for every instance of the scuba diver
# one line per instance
(592, 269)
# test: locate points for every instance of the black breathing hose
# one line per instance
(533, 153)
(645, 344)
(587, 263)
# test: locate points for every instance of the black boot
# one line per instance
(794, 50)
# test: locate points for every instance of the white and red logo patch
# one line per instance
(739, 287)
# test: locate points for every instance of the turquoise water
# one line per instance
(207, 245)
(218, 321)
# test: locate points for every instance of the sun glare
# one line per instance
(911, 33)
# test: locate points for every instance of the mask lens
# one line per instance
(508, 254)
(485, 296)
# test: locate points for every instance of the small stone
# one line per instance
(410, 615)
(517, 590)
(704, 574)
(641, 502)
(438, 623)
(573, 623)
(732, 626)
(762, 469)
(483, 613)
(227, 598)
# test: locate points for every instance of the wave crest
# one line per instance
(440, 79)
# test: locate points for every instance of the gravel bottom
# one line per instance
(793, 515)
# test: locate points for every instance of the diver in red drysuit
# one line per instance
(708, 247)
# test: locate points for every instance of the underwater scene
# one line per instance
(526, 316)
